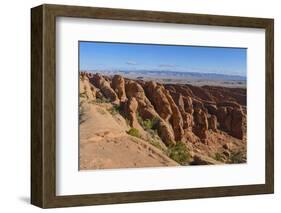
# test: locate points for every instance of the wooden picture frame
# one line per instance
(43, 105)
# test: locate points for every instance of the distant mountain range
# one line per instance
(171, 74)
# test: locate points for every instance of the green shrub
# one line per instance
(237, 157)
(218, 157)
(82, 95)
(134, 132)
(179, 153)
(81, 113)
(147, 124)
(102, 100)
(156, 144)
(115, 109)
(140, 120)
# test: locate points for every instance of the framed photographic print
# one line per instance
(136, 106)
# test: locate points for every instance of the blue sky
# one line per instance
(124, 56)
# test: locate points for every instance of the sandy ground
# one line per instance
(105, 144)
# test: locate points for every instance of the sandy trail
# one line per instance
(105, 144)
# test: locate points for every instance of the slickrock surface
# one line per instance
(132, 123)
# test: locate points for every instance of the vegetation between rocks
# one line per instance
(114, 110)
(179, 153)
(134, 132)
(237, 157)
(102, 100)
(218, 157)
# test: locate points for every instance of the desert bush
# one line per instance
(102, 100)
(139, 118)
(134, 132)
(156, 144)
(147, 124)
(82, 95)
(179, 153)
(81, 113)
(218, 157)
(237, 157)
(115, 109)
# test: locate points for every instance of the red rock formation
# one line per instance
(156, 95)
(212, 122)
(200, 123)
(130, 109)
(188, 104)
(165, 133)
(237, 123)
(185, 107)
(228, 104)
(98, 81)
(118, 84)
(87, 90)
(147, 111)
(176, 118)
(231, 121)
(212, 108)
(183, 111)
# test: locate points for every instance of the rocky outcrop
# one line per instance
(209, 121)
(203, 160)
(212, 108)
(188, 104)
(146, 109)
(237, 126)
(148, 112)
(182, 111)
(118, 84)
(213, 123)
(176, 118)
(87, 90)
(200, 123)
(165, 133)
(231, 120)
(130, 108)
(156, 95)
(232, 104)
(98, 81)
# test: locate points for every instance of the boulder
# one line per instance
(203, 160)
(225, 146)
(226, 153)
(130, 109)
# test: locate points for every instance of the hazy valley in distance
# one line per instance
(176, 77)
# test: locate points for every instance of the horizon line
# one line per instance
(214, 73)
